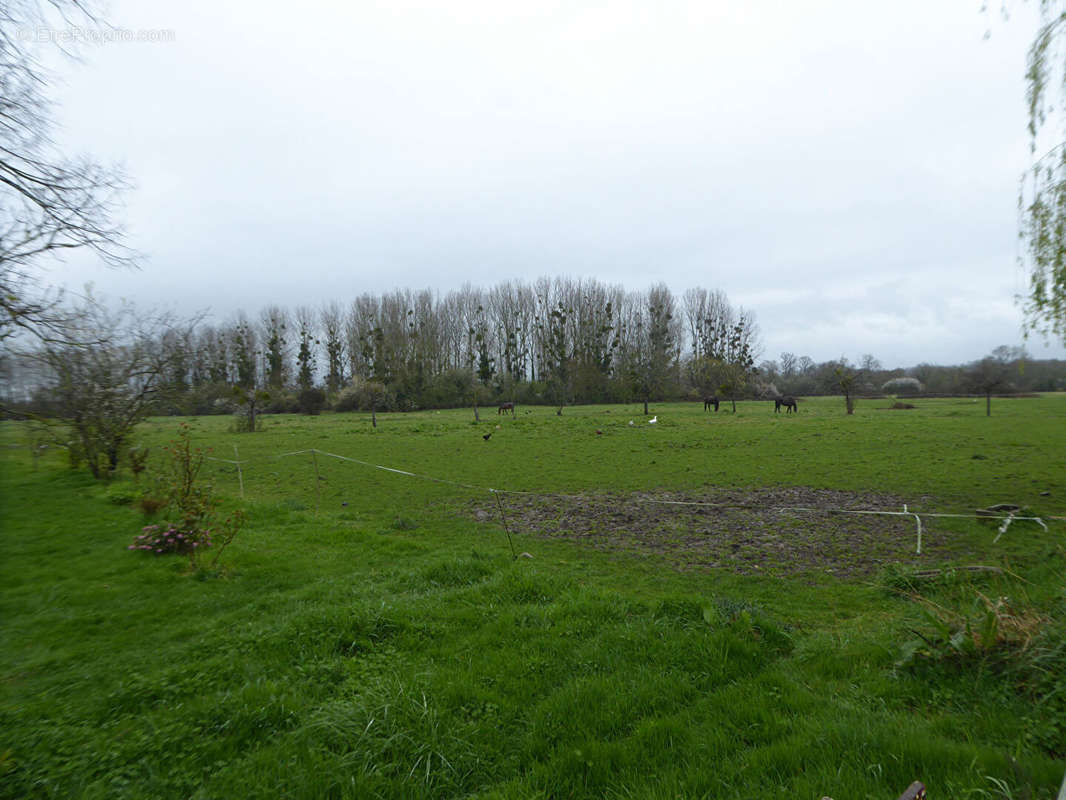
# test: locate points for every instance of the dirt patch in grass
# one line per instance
(781, 531)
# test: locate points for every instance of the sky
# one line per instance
(847, 171)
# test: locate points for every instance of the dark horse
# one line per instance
(711, 400)
(505, 407)
(787, 401)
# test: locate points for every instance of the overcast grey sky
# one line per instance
(847, 170)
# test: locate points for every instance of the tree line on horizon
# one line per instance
(555, 341)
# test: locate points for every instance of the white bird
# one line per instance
(630, 423)
(653, 420)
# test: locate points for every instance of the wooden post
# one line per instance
(314, 458)
(240, 476)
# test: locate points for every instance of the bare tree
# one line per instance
(101, 392)
(735, 358)
(448, 334)
(992, 373)
(510, 327)
(179, 355)
(392, 338)
(710, 318)
(658, 343)
(595, 338)
(359, 327)
(555, 349)
(49, 204)
(725, 344)
(426, 351)
(869, 364)
(846, 377)
(788, 364)
(214, 352)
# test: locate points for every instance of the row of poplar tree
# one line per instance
(554, 341)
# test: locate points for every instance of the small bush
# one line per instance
(245, 422)
(162, 539)
(281, 403)
(138, 460)
(311, 401)
(364, 395)
(991, 627)
(193, 526)
(149, 505)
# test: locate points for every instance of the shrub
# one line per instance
(210, 398)
(223, 405)
(1015, 642)
(161, 539)
(364, 395)
(992, 627)
(150, 505)
(249, 404)
(246, 422)
(138, 458)
(281, 403)
(347, 400)
(311, 401)
(193, 524)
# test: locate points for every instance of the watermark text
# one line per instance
(79, 35)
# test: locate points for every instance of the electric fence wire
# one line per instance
(1007, 519)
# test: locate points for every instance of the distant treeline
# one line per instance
(1006, 370)
(556, 341)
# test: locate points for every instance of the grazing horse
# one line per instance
(787, 401)
(505, 407)
(709, 401)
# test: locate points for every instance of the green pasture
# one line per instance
(945, 449)
(371, 634)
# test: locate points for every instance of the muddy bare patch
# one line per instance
(780, 531)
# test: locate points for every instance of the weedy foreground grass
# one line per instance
(372, 635)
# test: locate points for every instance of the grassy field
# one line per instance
(674, 628)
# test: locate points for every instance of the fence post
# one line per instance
(314, 458)
(240, 476)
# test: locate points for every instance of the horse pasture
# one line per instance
(574, 606)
